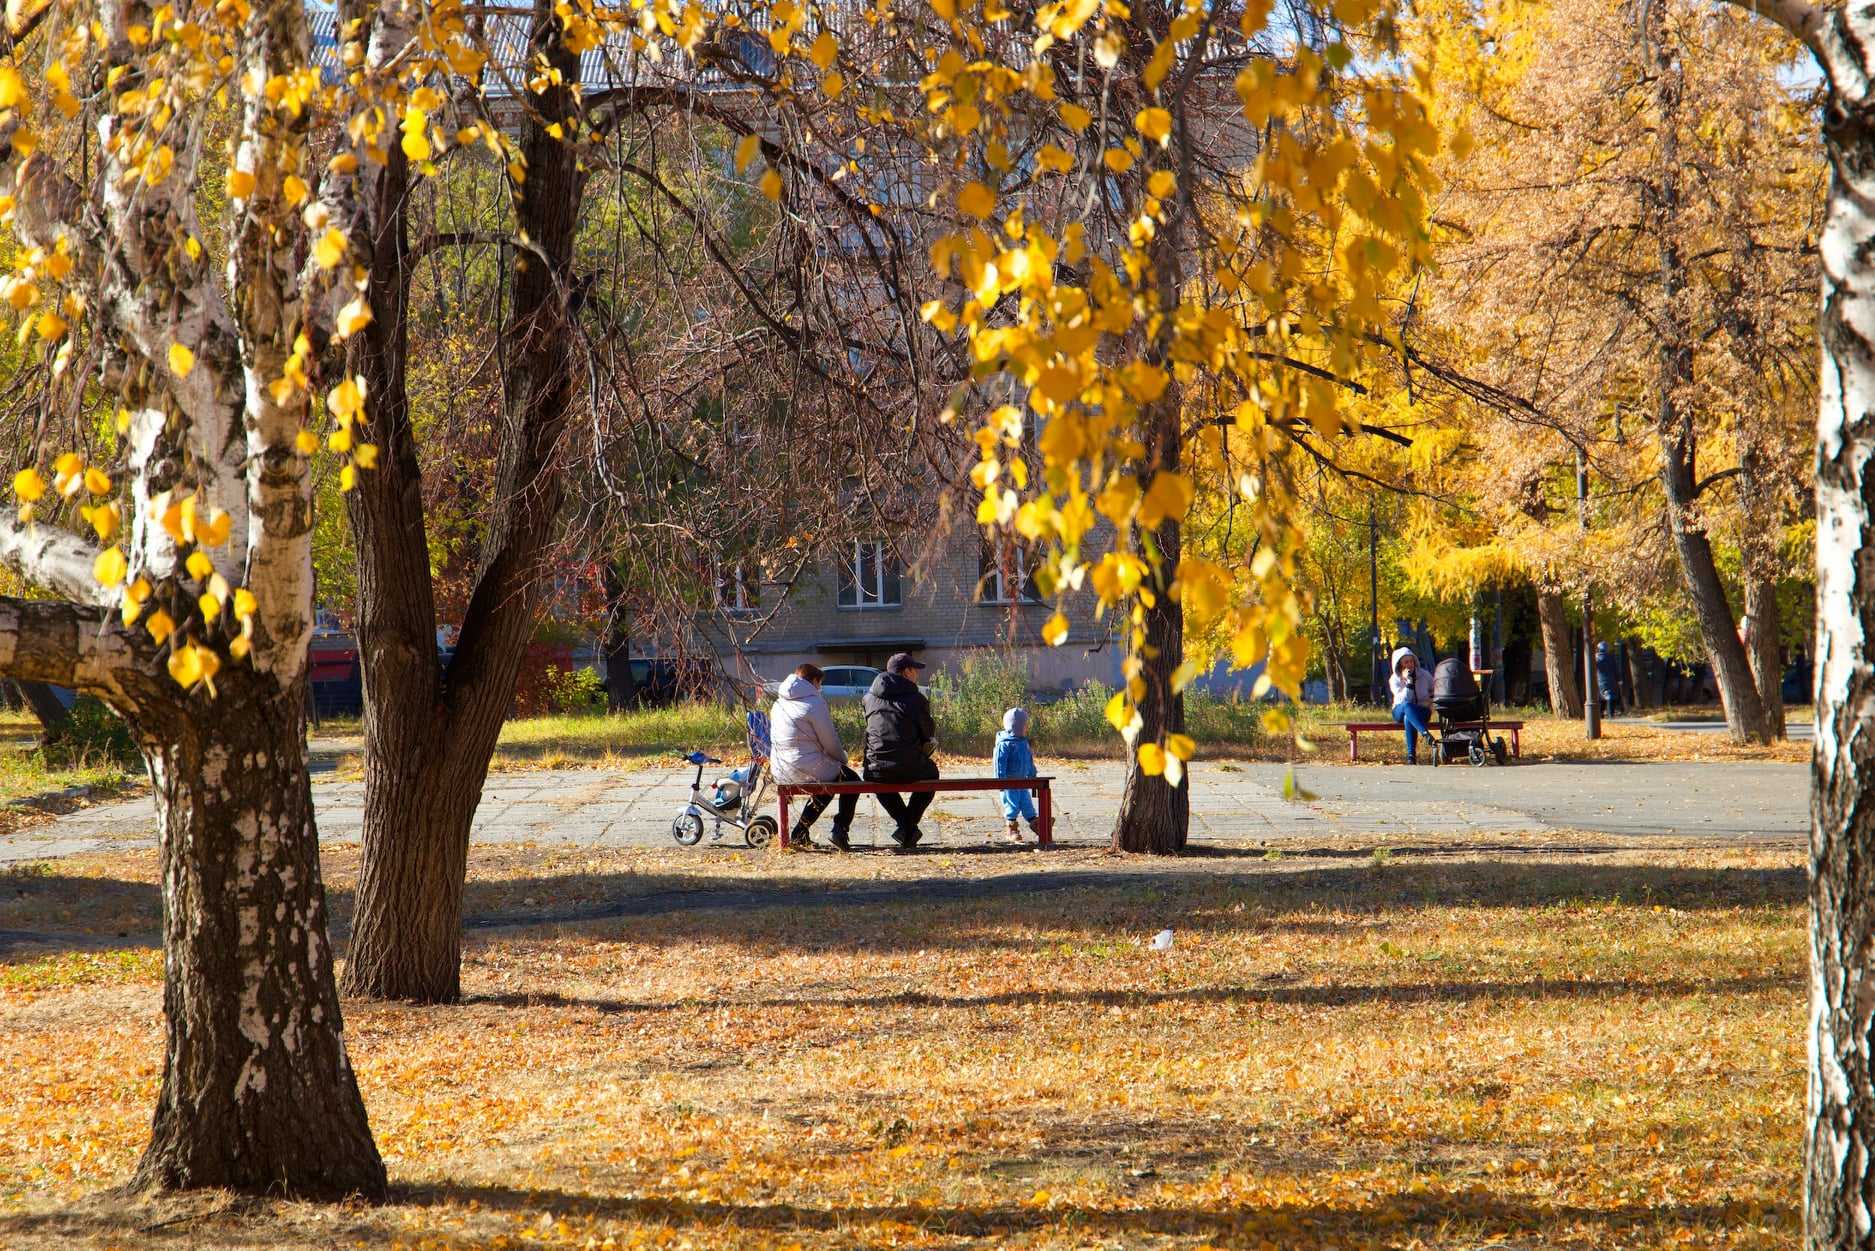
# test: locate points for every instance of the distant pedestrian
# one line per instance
(1608, 679)
(1014, 759)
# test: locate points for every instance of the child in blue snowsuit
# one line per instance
(1015, 760)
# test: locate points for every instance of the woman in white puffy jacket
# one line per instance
(805, 746)
(1412, 698)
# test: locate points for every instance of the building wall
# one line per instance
(939, 616)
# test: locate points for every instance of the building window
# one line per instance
(869, 576)
(739, 592)
(1003, 569)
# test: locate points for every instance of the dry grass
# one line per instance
(1590, 1045)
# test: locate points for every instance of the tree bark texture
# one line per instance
(1661, 203)
(429, 739)
(1558, 663)
(1762, 629)
(258, 1094)
(1839, 1173)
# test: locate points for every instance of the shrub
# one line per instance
(91, 733)
(572, 690)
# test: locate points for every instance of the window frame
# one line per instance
(990, 567)
(887, 591)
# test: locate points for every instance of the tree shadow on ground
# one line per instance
(1454, 1219)
(1196, 896)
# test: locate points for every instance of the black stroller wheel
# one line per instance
(761, 832)
(1497, 749)
(1477, 756)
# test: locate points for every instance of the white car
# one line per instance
(842, 682)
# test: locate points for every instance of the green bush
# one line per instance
(573, 690)
(91, 733)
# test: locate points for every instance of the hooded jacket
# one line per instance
(1418, 689)
(898, 726)
(1607, 670)
(1014, 758)
(804, 745)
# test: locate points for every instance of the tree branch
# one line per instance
(1712, 478)
(53, 559)
(65, 644)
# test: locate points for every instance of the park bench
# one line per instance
(1357, 728)
(1044, 804)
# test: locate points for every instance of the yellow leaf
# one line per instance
(244, 602)
(181, 360)
(823, 50)
(771, 185)
(199, 565)
(330, 249)
(353, 318)
(1119, 160)
(1118, 715)
(832, 85)
(1151, 759)
(185, 666)
(110, 566)
(1167, 499)
(51, 326)
(215, 528)
(1162, 183)
(1155, 124)
(348, 478)
(28, 485)
(1055, 630)
(1181, 746)
(746, 150)
(12, 88)
(239, 646)
(1075, 118)
(295, 190)
(976, 199)
(365, 456)
(210, 606)
(306, 442)
(240, 184)
(347, 399)
(161, 625)
(97, 481)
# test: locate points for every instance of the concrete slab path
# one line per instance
(1235, 802)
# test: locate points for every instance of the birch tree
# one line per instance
(172, 525)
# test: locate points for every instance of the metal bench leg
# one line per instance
(1354, 755)
(1047, 831)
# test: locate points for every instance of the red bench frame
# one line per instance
(1357, 728)
(1044, 802)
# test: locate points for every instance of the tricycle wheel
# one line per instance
(687, 829)
(761, 832)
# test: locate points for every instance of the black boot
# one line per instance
(839, 839)
(799, 838)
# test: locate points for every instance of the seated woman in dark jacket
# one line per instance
(900, 739)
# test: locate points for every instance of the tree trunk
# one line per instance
(1155, 816)
(428, 741)
(1839, 1165)
(621, 687)
(1762, 631)
(1660, 204)
(48, 707)
(1558, 663)
(258, 1094)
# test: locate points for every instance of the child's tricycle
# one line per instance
(732, 800)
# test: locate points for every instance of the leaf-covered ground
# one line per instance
(1588, 1043)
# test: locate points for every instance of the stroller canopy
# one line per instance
(1455, 691)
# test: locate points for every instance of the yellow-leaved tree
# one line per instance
(1183, 232)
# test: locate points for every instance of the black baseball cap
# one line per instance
(902, 661)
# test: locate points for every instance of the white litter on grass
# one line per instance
(1162, 941)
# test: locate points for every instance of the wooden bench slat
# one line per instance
(1357, 728)
(1045, 814)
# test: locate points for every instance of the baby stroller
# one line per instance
(1463, 713)
(733, 800)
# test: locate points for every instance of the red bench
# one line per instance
(1044, 803)
(1357, 728)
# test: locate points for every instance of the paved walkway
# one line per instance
(597, 808)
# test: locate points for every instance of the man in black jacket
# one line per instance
(900, 739)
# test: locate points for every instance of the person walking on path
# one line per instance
(900, 741)
(1608, 678)
(1014, 759)
(1412, 699)
(805, 746)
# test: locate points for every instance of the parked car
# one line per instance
(843, 682)
(664, 681)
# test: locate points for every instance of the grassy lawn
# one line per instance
(26, 772)
(1595, 1045)
(1225, 730)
